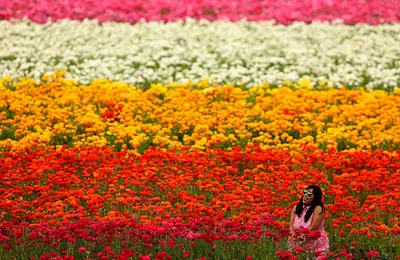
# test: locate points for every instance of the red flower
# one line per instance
(82, 250)
(45, 256)
(299, 249)
(315, 234)
(286, 255)
(144, 257)
(32, 236)
(148, 245)
(186, 254)
(145, 237)
(108, 114)
(372, 254)
(161, 255)
(109, 250)
(7, 247)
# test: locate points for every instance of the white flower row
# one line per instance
(249, 52)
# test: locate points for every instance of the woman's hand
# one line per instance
(295, 237)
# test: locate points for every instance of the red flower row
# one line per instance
(361, 189)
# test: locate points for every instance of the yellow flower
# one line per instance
(159, 88)
(114, 113)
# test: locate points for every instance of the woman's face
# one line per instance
(308, 197)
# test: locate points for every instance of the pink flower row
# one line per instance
(130, 239)
(95, 239)
(131, 11)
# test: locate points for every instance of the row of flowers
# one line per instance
(354, 56)
(59, 112)
(75, 184)
(202, 238)
(93, 182)
(351, 11)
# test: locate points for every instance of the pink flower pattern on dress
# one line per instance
(321, 244)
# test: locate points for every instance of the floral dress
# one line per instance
(321, 244)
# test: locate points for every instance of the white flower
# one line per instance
(229, 52)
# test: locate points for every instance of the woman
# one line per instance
(309, 214)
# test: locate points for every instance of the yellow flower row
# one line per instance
(57, 111)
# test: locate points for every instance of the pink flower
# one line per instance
(82, 250)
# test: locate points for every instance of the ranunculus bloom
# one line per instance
(299, 249)
(315, 234)
(145, 237)
(109, 250)
(372, 254)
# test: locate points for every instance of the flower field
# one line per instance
(189, 129)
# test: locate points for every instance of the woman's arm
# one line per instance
(317, 218)
(292, 216)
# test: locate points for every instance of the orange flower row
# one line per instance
(58, 111)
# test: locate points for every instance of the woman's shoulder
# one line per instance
(295, 207)
(318, 209)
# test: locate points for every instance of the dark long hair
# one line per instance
(317, 201)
